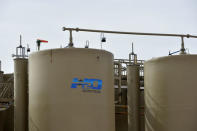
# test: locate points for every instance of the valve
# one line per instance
(39, 43)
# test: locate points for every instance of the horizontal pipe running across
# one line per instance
(130, 33)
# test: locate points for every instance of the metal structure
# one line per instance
(170, 93)
(131, 33)
(6, 88)
(20, 88)
(122, 106)
(6, 102)
(6, 106)
(118, 76)
(124, 63)
(133, 56)
(39, 43)
(20, 50)
(182, 36)
(71, 89)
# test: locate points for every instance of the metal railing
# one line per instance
(6, 91)
(124, 63)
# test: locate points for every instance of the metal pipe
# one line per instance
(182, 51)
(71, 39)
(130, 58)
(132, 48)
(135, 59)
(130, 33)
(174, 52)
(133, 56)
(119, 82)
(20, 40)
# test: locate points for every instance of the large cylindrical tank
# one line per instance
(71, 89)
(21, 94)
(170, 93)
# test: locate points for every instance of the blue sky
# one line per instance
(45, 18)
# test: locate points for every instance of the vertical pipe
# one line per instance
(21, 94)
(119, 82)
(182, 51)
(130, 58)
(135, 59)
(133, 92)
(70, 39)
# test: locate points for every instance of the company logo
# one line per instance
(87, 85)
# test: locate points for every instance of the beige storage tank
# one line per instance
(71, 89)
(133, 97)
(170, 93)
(21, 94)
